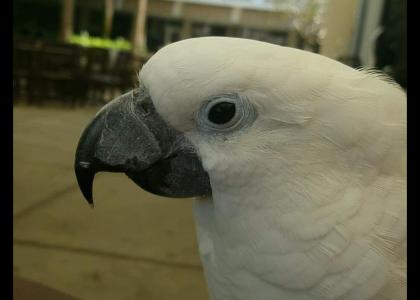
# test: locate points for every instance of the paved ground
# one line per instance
(132, 245)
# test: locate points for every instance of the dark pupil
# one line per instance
(222, 112)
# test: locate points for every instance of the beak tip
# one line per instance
(89, 199)
(85, 176)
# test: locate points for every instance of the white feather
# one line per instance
(309, 202)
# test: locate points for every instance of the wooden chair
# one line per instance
(25, 54)
(59, 74)
(69, 73)
(97, 74)
(126, 72)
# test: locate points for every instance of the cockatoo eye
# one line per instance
(225, 113)
(222, 112)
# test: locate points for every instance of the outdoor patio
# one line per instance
(132, 245)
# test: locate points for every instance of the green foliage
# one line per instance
(96, 42)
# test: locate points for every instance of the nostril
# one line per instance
(146, 107)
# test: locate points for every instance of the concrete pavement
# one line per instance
(132, 245)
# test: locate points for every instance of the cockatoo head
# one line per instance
(298, 162)
(234, 116)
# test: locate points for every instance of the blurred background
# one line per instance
(70, 57)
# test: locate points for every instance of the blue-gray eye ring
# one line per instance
(225, 112)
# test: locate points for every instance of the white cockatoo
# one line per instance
(297, 163)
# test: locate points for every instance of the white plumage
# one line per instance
(308, 202)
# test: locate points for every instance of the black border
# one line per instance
(6, 125)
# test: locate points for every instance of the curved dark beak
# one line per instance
(128, 135)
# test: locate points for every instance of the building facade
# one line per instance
(166, 21)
